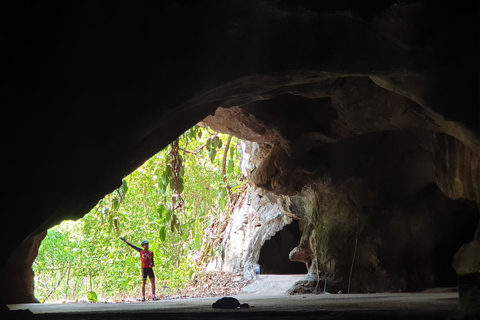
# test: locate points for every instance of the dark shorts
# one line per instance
(147, 272)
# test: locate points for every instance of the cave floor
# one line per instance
(266, 301)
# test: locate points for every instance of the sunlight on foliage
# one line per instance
(170, 200)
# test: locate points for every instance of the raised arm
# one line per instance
(131, 245)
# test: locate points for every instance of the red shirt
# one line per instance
(147, 258)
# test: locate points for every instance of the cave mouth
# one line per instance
(62, 268)
(274, 253)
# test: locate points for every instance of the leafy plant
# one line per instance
(92, 296)
(170, 200)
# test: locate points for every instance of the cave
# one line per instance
(275, 251)
(365, 120)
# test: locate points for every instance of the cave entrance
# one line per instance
(176, 200)
(274, 253)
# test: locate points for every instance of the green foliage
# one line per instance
(170, 200)
(92, 296)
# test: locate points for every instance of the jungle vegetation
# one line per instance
(170, 200)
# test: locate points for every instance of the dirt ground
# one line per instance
(267, 300)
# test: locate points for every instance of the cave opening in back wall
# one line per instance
(274, 253)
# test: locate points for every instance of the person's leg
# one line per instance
(144, 281)
(152, 281)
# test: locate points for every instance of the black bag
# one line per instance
(229, 303)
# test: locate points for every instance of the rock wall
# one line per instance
(398, 247)
(379, 228)
(458, 175)
(19, 285)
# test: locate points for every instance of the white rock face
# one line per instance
(254, 221)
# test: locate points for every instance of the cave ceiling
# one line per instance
(298, 120)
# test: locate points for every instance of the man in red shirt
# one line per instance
(147, 265)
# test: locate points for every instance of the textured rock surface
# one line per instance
(256, 219)
(375, 221)
(20, 280)
(95, 89)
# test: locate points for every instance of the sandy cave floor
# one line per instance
(267, 300)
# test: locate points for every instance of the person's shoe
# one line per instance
(155, 298)
(143, 299)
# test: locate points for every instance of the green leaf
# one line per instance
(230, 166)
(123, 188)
(92, 296)
(222, 202)
(160, 210)
(182, 171)
(168, 216)
(218, 142)
(115, 204)
(162, 233)
(165, 178)
(198, 241)
(162, 188)
(168, 171)
(212, 154)
(223, 198)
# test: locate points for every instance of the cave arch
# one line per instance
(117, 83)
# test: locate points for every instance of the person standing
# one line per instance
(147, 264)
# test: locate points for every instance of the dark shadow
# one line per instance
(274, 253)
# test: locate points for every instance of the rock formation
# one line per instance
(255, 222)
(366, 117)
(384, 228)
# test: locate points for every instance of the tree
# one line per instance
(170, 200)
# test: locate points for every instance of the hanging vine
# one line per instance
(175, 172)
